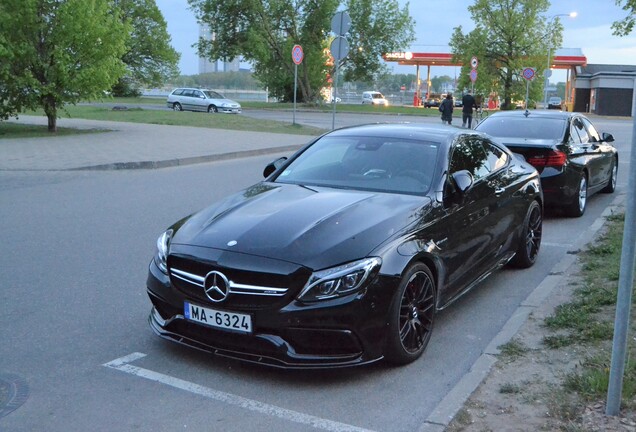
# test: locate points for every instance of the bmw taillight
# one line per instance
(551, 159)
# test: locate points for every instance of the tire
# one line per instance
(177, 106)
(530, 239)
(411, 316)
(578, 206)
(611, 185)
(213, 109)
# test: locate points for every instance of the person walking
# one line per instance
(468, 103)
(446, 108)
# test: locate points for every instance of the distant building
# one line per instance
(207, 66)
(605, 89)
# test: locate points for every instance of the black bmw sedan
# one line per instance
(345, 252)
(573, 158)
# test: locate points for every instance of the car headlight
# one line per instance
(163, 247)
(339, 281)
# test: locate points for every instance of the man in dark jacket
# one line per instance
(468, 103)
(446, 108)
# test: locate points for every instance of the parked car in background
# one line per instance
(573, 158)
(192, 99)
(374, 98)
(554, 103)
(432, 102)
(345, 252)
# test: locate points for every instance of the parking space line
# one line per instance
(561, 245)
(123, 364)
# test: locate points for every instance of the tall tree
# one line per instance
(626, 25)
(264, 32)
(509, 36)
(57, 52)
(378, 27)
(150, 59)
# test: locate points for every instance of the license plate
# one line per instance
(218, 319)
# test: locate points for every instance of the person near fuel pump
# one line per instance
(446, 108)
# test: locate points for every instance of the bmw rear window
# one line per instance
(524, 127)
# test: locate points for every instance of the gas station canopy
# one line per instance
(564, 58)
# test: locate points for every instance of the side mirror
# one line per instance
(273, 166)
(607, 137)
(463, 180)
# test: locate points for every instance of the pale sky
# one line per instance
(435, 19)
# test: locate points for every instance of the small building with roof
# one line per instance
(605, 89)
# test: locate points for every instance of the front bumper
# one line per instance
(229, 110)
(343, 332)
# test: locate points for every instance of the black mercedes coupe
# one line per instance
(345, 252)
(574, 159)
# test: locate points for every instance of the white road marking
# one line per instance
(562, 245)
(123, 364)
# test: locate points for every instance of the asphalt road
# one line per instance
(77, 245)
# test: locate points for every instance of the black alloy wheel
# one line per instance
(577, 207)
(611, 184)
(411, 316)
(213, 109)
(530, 242)
(177, 106)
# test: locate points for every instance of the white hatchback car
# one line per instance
(191, 99)
(374, 98)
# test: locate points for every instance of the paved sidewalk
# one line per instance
(134, 145)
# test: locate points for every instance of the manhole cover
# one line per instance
(14, 391)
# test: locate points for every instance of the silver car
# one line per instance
(191, 99)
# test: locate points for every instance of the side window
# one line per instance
(187, 93)
(591, 130)
(470, 154)
(497, 158)
(575, 139)
(579, 129)
(177, 92)
(198, 94)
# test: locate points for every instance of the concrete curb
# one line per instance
(185, 161)
(455, 399)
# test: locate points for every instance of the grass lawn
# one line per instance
(218, 121)
(343, 107)
(136, 114)
(18, 130)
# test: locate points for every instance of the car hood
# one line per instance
(310, 226)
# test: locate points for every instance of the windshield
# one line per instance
(524, 127)
(366, 163)
(213, 95)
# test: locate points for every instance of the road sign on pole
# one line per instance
(297, 58)
(474, 63)
(340, 23)
(339, 48)
(297, 54)
(529, 73)
(473, 75)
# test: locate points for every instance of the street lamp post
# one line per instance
(547, 70)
